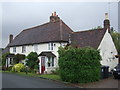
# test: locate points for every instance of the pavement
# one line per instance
(103, 83)
(17, 81)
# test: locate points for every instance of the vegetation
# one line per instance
(116, 39)
(18, 58)
(4, 56)
(32, 61)
(18, 67)
(79, 65)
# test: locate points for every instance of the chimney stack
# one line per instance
(107, 22)
(10, 38)
(54, 17)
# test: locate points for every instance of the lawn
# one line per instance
(51, 76)
(48, 76)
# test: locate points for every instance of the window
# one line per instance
(50, 46)
(10, 60)
(50, 61)
(23, 49)
(35, 47)
(14, 49)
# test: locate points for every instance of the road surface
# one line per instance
(18, 81)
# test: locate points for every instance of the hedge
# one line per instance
(79, 65)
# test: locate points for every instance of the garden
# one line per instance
(76, 65)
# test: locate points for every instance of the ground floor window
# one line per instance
(50, 61)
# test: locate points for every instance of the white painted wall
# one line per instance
(108, 51)
(41, 48)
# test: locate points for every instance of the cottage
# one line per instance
(45, 39)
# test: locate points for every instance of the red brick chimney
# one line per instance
(107, 22)
(10, 38)
(54, 17)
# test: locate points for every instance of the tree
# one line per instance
(4, 56)
(18, 58)
(116, 39)
(32, 61)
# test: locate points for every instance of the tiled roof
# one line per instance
(48, 32)
(56, 32)
(89, 38)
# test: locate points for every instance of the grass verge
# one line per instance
(48, 76)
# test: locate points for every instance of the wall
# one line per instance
(108, 51)
(41, 48)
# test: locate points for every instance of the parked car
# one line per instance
(116, 72)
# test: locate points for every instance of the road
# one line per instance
(18, 81)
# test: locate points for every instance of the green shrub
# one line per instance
(32, 61)
(9, 68)
(56, 71)
(18, 67)
(79, 65)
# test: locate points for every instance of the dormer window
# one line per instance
(50, 46)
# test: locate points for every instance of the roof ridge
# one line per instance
(88, 30)
(67, 26)
(36, 26)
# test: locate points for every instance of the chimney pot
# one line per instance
(106, 16)
(54, 14)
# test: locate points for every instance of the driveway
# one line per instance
(18, 81)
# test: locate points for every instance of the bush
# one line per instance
(18, 58)
(9, 68)
(32, 61)
(18, 67)
(56, 71)
(79, 65)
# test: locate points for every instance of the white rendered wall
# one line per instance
(41, 48)
(108, 51)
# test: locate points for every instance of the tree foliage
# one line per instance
(79, 65)
(116, 39)
(4, 56)
(18, 58)
(32, 61)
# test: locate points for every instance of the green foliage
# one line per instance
(32, 60)
(116, 39)
(18, 67)
(56, 71)
(18, 58)
(4, 59)
(9, 68)
(79, 65)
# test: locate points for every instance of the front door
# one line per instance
(42, 64)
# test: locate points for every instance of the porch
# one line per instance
(47, 62)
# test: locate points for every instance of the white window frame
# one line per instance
(50, 46)
(14, 49)
(52, 62)
(23, 49)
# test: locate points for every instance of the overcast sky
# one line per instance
(78, 15)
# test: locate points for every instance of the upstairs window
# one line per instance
(35, 48)
(14, 49)
(50, 46)
(23, 49)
